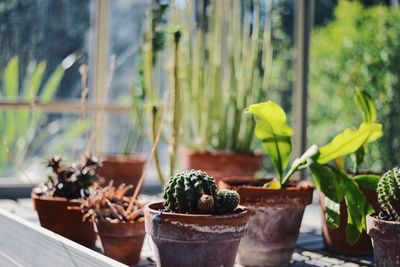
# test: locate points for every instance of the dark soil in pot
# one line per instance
(335, 239)
(195, 240)
(54, 215)
(223, 164)
(275, 219)
(122, 241)
(385, 240)
(122, 169)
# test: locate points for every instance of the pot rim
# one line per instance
(151, 209)
(372, 218)
(54, 199)
(191, 152)
(136, 157)
(238, 181)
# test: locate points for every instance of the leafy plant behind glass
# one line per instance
(334, 183)
(225, 59)
(23, 132)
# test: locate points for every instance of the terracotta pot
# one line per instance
(54, 215)
(122, 169)
(385, 240)
(335, 240)
(223, 164)
(275, 219)
(195, 240)
(122, 241)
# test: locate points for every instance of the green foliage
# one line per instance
(389, 195)
(359, 49)
(21, 131)
(183, 191)
(333, 182)
(273, 131)
(222, 74)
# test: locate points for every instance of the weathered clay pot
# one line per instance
(122, 241)
(275, 219)
(335, 239)
(385, 240)
(54, 215)
(223, 164)
(122, 169)
(195, 240)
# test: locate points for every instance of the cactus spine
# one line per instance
(389, 195)
(184, 190)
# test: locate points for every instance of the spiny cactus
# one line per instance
(227, 201)
(389, 195)
(205, 204)
(184, 190)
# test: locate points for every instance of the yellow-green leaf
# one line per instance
(349, 141)
(275, 134)
(274, 184)
(366, 105)
(10, 78)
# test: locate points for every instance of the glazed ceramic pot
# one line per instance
(194, 240)
(275, 219)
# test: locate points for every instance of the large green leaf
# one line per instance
(332, 213)
(275, 134)
(328, 181)
(366, 105)
(51, 85)
(10, 78)
(367, 181)
(349, 141)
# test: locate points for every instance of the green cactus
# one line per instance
(389, 195)
(205, 204)
(227, 201)
(184, 190)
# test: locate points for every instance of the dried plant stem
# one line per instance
(146, 166)
(154, 114)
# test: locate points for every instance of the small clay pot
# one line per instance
(122, 241)
(335, 239)
(223, 164)
(275, 219)
(385, 240)
(55, 215)
(195, 240)
(122, 169)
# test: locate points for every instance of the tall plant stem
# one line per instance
(146, 166)
(175, 105)
(154, 112)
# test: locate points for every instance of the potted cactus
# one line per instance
(272, 236)
(384, 226)
(120, 227)
(196, 225)
(54, 200)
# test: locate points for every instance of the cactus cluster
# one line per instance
(70, 180)
(195, 192)
(389, 195)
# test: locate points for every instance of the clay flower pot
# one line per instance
(54, 215)
(275, 219)
(194, 240)
(122, 169)
(223, 164)
(122, 241)
(385, 240)
(335, 239)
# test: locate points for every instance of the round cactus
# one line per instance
(184, 190)
(227, 200)
(389, 195)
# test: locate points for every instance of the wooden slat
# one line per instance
(25, 244)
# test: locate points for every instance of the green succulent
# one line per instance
(389, 195)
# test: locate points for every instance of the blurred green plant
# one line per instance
(359, 49)
(225, 61)
(23, 132)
